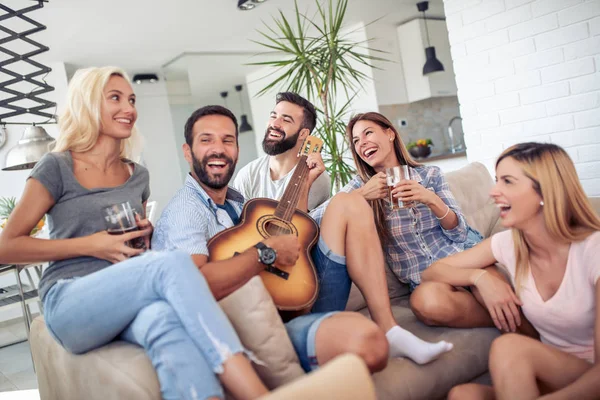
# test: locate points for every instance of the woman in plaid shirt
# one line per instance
(412, 238)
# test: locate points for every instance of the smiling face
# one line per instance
(283, 128)
(515, 195)
(214, 151)
(374, 144)
(118, 113)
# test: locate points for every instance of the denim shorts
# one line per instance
(303, 334)
(334, 281)
(334, 290)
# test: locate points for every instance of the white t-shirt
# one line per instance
(567, 319)
(254, 180)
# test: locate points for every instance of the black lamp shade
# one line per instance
(246, 5)
(432, 64)
(245, 126)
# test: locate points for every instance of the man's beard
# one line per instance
(214, 182)
(274, 148)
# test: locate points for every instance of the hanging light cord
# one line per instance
(241, 103)
(426, 29)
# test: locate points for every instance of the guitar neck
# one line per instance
(289, 201)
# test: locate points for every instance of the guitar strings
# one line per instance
(293, 192)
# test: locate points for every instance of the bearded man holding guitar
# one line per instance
(206, 206)
(348, 249)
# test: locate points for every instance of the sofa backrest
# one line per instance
(471, 187)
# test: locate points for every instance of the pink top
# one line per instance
(566, 320)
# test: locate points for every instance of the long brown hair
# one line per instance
(366, 172)
(568, 214)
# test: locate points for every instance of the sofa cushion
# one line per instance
(117, 371)
(129, 370)
(256, 321)
(356, 300)
(402, 379)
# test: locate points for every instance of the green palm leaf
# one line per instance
(320, 61)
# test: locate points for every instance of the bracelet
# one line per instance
(445, 215)
(480, 275)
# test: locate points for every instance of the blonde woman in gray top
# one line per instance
(96, 288)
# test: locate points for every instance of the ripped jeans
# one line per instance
(158, 300)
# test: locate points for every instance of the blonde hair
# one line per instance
(568, 214)
(365, 171)
(80, 122)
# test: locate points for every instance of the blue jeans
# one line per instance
(158, 300)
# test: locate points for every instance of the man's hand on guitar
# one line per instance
(315, 165)
(286, 247)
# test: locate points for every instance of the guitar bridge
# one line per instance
(277, 272)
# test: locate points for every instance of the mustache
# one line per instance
(276, 130)
(217, 157)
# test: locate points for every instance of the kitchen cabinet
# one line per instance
(412, 39)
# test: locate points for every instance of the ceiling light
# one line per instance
(29, 150)
(432, 64)
(246, 5)
(142, 78)
(224, 96)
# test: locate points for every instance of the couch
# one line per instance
(122, 371)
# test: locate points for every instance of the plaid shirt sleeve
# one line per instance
(317, 213)
(459, 233)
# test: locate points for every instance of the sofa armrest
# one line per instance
(345, 377)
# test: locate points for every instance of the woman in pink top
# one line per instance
(551, 254)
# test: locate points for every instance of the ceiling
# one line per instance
(206, 43)
(143, 35)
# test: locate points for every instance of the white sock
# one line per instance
(405, 344)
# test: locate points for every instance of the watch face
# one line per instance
(268, 256)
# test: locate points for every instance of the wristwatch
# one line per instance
(266, 255)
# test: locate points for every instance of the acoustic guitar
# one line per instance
(292, 288)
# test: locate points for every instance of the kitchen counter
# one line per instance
(444, 155)
(447, 161)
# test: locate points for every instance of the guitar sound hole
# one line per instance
(277, 229)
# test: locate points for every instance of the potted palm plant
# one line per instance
(319, 60)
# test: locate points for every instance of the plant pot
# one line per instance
(420, 151)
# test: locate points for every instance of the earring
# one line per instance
(391, 139)
(542, 203)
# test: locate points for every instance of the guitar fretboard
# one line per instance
(289, 201)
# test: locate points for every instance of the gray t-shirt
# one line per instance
(254, 180)
(78, 211)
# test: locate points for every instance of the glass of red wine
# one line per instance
(120, 219)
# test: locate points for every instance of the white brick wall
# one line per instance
(529, 70)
